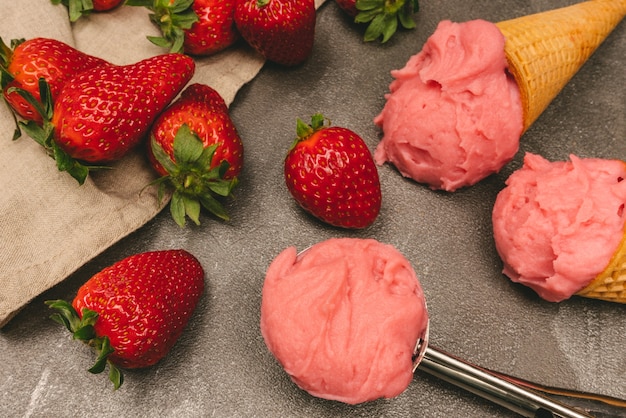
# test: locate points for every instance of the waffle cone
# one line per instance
(545, 50)
(610, 285)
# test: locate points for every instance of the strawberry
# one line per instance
(78, 8)
(104, 112)
(348, 6)
(331, 174)
(282, 31)
(26, 62)
(196, 148)
(196, 27)
(134, 311)
(383, 15)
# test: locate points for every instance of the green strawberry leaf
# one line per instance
(65, 162)
(161, 156)
(223, 187)
(406, 20)
(222, 169)
(179, 41)
(83, 329)
(382, 25)
(160, 41)
(65, 314)
(384, 16)
(104, 349)
(192, 209)
(85, 333)
(178, 6)
(367, 16)
(212, 205)
(177, 208)
(206, 157)
(304, 130)
(188, 148)
(115, 376)
(76, 8)
(39, 107)
(195, 185)
(41, 134)
(172, 19)
(44, 134)
(390, 25)
(363, 5)
(140, 3)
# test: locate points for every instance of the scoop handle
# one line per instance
(483, 383)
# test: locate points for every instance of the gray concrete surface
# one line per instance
(221, 368)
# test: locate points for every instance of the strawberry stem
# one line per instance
(76, 8)
(383, 17)
(82, 329)
(172, 18)
(194, 185)
(44, 134)
(304, 130)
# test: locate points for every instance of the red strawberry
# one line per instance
(196, 27)
(215, 29)
(102, 5)
(104, 112)
(282, 31)
(197, 149)
(78, 8)
(348, 6)
(134, 311)
(30, 60)
(331, 174)
(383, 15)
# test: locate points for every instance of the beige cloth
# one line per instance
(50, 226)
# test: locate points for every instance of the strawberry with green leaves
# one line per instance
(383, 16)
(195, 27)
(282, 31)
(79, 8)
(331, 174)
(134, 311)
(196, 149)
(104, 112)
(25, 62)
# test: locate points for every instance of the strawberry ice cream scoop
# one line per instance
(558, 224)
(343, 318)
(453, 115)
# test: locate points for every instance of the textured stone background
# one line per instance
(220, 367)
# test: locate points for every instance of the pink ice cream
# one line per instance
(343, 318)
(453, 115)
(557, 224)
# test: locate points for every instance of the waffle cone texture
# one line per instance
(610, 285)
(545, 50)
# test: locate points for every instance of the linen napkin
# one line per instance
(49, 225)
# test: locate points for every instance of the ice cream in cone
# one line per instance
(456, 111)
(546, 49)
(559, 227)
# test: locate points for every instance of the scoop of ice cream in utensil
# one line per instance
(347, 320)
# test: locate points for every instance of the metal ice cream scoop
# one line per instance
(520, 396)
